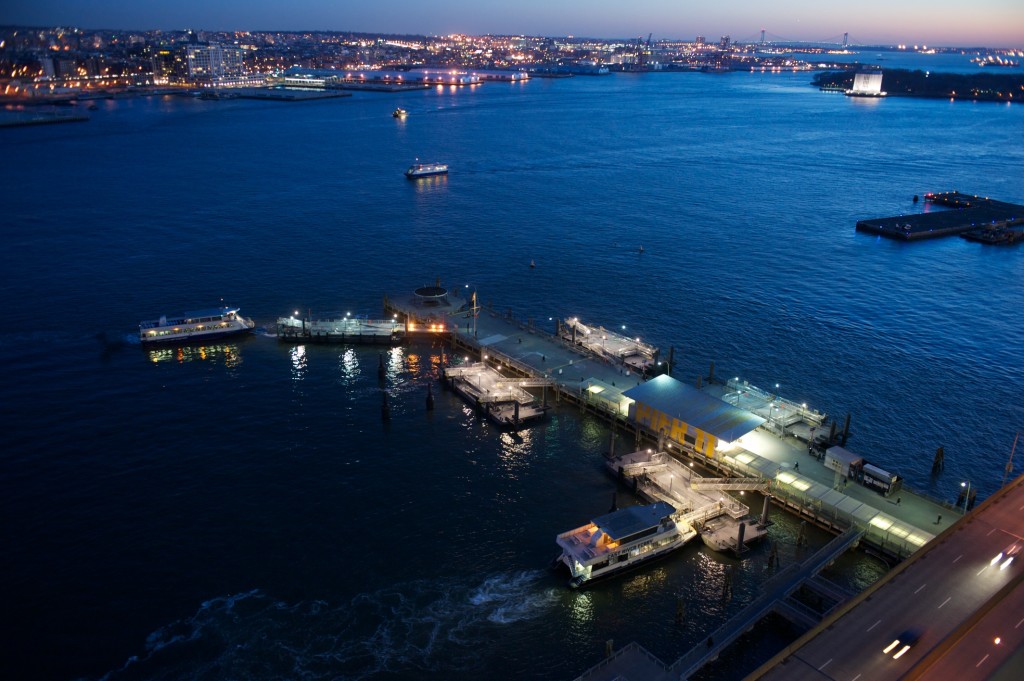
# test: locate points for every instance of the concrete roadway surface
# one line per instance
(953, 598)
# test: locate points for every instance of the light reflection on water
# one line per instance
(516, 448)
(299, 362)
(348, 365)
(227, 354)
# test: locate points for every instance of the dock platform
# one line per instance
(966, 213)
(341, 330)
(503, 400)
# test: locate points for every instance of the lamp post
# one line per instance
(967, 496)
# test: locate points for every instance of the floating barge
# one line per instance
(613, 347)
(967, 212)
(343, 330)
(503, 400)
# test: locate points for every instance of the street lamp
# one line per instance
(967, 496)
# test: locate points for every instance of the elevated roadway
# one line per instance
(960, 598)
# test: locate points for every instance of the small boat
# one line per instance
(418, 170)
(621, 540)
(191, 327)
(399, 113)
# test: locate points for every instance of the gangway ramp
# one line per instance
(775, 591)
(731, 484)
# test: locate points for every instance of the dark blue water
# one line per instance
(240, 510)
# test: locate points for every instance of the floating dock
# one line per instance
(966, 213)
(503, 400)
(723, 521)
(341, 330)
(618, 348)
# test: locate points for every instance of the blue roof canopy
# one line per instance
(629, 521)
(691, 406)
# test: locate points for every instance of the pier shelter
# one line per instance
(687, 415)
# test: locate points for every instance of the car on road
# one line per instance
(902, 643)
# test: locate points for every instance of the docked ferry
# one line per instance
(418, 170)
(199, 325)
(621, 540)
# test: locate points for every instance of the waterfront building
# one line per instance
(213, 64)
(687, 415)
(867, 84)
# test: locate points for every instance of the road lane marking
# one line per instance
(958, 557)
(920, 587)
(991, 531)
(981, 660)
(1019, 623)
(879, 622)
(856, 677)
(830, 659)
(944, 602)
(981, 570)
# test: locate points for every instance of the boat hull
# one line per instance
(198, 337)
(418, 175)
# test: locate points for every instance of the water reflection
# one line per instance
(228, 354)
(299, 362)
(429, 184)
(348, 365)
(581, 609)
(645, 582)
(515, 450)
(395, 364)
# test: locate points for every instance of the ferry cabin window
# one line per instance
(639, 535)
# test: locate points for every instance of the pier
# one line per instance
(747, 435)
(966, 213)
(770, 443)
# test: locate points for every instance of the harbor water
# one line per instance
(242, 510)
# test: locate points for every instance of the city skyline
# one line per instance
(991, 23)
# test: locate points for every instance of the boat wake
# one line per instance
(417, 628)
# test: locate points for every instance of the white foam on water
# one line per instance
(434, 626)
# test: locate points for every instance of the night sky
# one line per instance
(993, 23)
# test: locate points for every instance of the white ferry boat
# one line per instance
(621, 540)
(195, 326)
(418, 170)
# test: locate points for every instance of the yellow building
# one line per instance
(685, 414)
